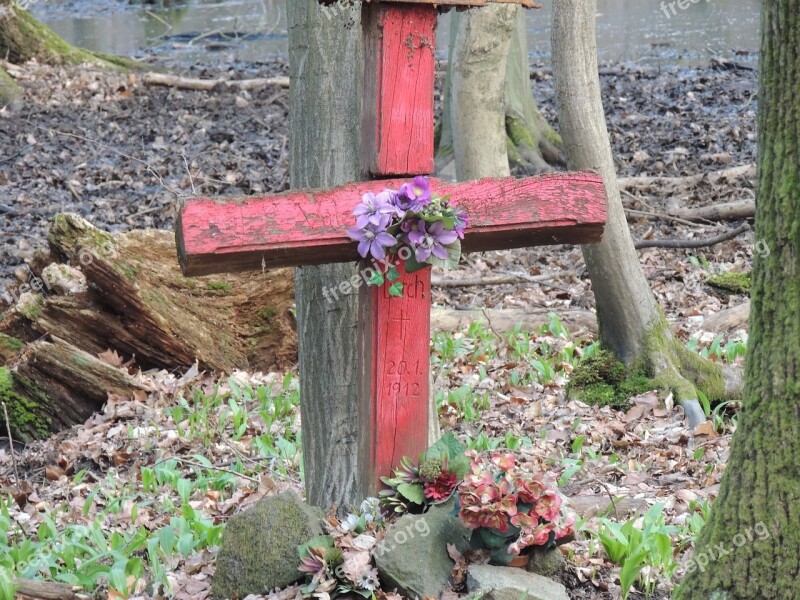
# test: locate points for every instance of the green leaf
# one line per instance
(392, 273)
(630, 571)
(321, 541)
(453, 256)
(413, 492)
(396, 290)
(449, 447)
(376, 279)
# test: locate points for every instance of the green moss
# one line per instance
(602, 380)
(9, 90)
(221, 286)
(9, 343)
(128, 271)
(31, 308)
(27, 422)
(737, 283)
(675, 368)
(259, 546)
(267, 313)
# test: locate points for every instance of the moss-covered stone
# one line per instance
(736, 283)
(546, 562)
(259, 547)
(603, 380)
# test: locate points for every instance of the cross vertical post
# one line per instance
(397, 140)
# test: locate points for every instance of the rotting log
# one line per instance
(137, 302)
(54, 385)
(96, 292)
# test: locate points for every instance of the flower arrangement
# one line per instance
(341, 561)
(411, 223)
(510, 506)
(414, 488)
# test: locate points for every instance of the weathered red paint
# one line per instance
(394, 338)
(398, 89)
(308, 227)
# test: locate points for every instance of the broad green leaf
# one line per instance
(453, 256)
(413, 492)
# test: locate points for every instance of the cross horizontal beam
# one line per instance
(307, 227)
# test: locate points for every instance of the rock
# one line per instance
(413, 556)
(507, 583)
(259, 546)
(546, 562)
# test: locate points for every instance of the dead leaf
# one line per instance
(110, 357)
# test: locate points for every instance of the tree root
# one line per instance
(23, 38)
(676, 369)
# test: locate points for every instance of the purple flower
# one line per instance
(372, 239)
(431, 240)
(462, 222)
(375, 209)
(413, 196)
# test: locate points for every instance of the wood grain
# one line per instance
(308, 227)
(399, 45)
(394, 367)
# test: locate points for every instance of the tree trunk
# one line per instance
(23, 38)
(532, 145)
(632, 324)
(752, 541)
(326, 61)
(478, 88)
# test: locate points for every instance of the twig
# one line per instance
(657, 215)
(501, 280)
(191, 179)
(11, 444)
(159, 19)
(703, 243)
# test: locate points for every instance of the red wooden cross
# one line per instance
(308, 227)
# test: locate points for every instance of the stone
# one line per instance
(546, 562)
(413, 558)
(507, 583)
(259, 547)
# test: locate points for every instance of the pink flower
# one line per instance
(505, 461)
(529, 490)
(548, 505)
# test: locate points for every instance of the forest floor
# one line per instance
(122, 154)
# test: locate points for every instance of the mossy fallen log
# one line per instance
(96, 292)
(53, 385)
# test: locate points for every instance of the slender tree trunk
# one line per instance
(532, 144)
(752, 541)
(325, 53)
(632, 324)
(23, 38)
(482, 43)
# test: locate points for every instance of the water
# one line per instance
(230, 31)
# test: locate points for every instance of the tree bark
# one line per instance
(482, 43)
(532, 145)
(54, 385)
(632, 324)
(326, 58)
(759, 491)
(23, 38)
